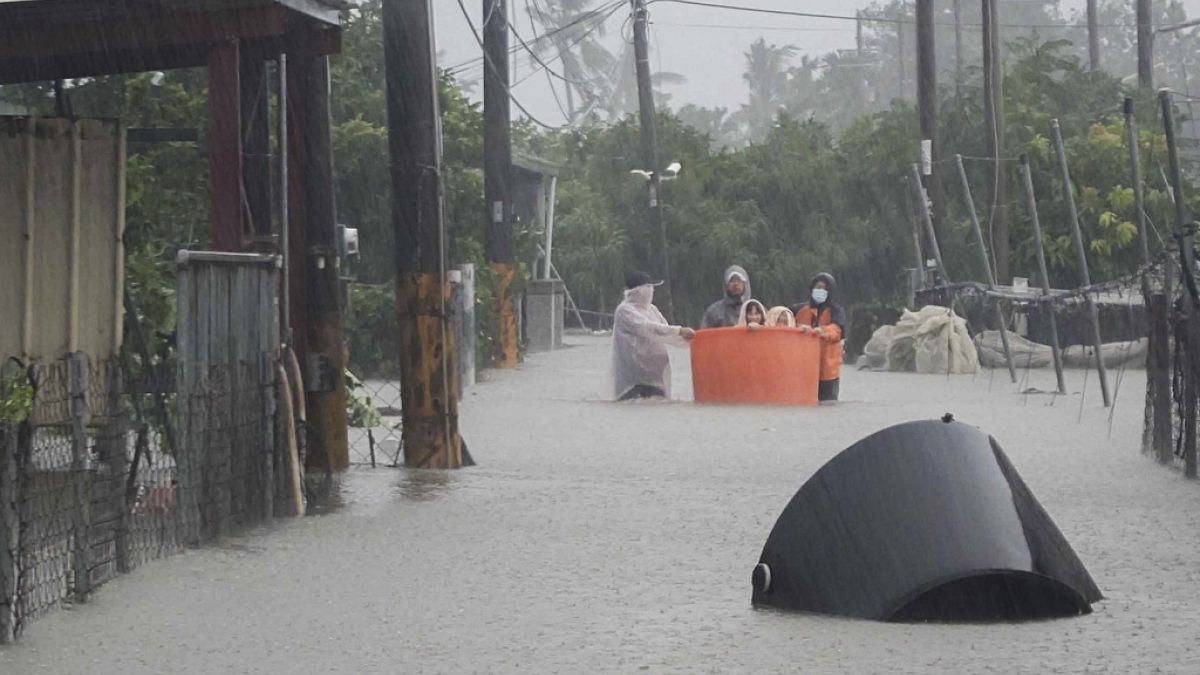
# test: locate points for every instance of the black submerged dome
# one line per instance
(921, 521)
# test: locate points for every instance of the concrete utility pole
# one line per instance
(429, 380)
(927, 104)
(497, 179)
(993, 114)
(641, 52)
(1093, 29)
(1145, 45)
(315, 265)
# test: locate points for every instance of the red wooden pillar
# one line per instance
(225, 146)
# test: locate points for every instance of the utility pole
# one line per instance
(315, 265)
(497, 170)
(858, 36)
(429, 380)
(1145, 45)
(1093, 29)
(993, 113)
(641, 52)
(958, 49)
(927, 110)
(860, 88)
(900, 74)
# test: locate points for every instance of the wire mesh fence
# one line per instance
(375, 422)
(90, 489)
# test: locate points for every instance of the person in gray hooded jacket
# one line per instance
(726, 311)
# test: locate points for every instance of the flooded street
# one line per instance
(602, 537)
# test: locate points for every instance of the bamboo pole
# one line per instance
(1081, 256)
(927, 218)
(987, 266)
(1045, 277)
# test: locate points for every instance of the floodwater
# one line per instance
(603, 537)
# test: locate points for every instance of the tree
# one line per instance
(766, 77)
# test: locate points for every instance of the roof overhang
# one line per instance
(58, 39)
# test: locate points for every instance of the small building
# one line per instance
(533, 184)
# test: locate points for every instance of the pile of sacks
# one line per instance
(931, 340)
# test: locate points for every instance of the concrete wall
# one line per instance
(62, 214)
(544, 309)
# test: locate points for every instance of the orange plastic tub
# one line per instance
(767, 365)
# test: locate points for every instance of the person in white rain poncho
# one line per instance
(641, 367)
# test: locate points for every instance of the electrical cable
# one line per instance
(491, 64)
(550, 74)
(610, 7)
(843, 17)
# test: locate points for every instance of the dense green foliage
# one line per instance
(805, 199)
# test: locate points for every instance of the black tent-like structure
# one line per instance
(923, 521)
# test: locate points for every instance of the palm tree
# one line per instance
(574, 33)
(767, 76)
(602, 81)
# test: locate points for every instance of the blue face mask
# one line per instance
(820, 295)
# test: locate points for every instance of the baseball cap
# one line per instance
(635, 279)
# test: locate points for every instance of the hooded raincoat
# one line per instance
(746, 310)
(829, 317)
(725, 312)
(776, 313)
(640, 338)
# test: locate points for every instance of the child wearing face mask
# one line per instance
(820, 315)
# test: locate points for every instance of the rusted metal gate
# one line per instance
(228, 350)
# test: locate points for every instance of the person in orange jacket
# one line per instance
(828, 320)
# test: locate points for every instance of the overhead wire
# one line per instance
(609, 7)
(568, 115)
(867, 18)
(491, 64)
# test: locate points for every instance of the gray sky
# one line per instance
(704, 45)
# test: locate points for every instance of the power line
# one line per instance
(567, 26)
(864, 17)
(537, 58)
(491, 64)
(746, 27)
(568, 115)
(478, 62)
(571, 46)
